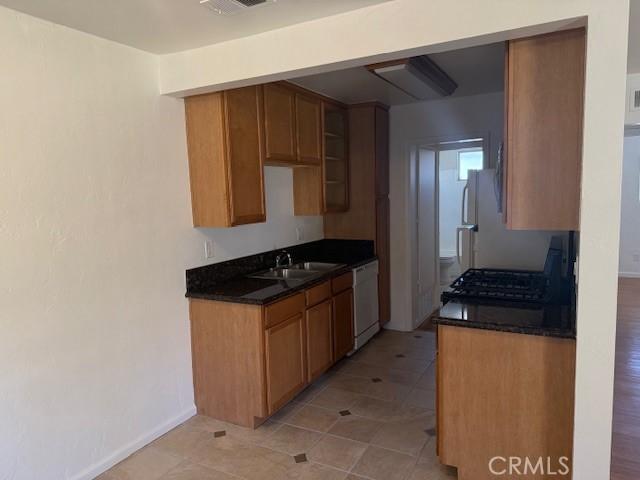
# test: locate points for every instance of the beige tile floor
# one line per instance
(372, 416)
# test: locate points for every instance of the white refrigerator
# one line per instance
(483, 241)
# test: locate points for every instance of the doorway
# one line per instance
(443, 240)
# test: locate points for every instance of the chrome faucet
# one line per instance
(281, 255)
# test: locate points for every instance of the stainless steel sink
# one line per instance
(299, 271)
(316, 266)
(286, 273)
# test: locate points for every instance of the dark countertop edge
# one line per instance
(537, 331)
(286, 293)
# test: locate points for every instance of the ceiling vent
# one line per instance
(230, 7)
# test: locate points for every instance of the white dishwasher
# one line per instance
(365, 303)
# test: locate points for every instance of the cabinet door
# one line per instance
(342, 324)
(245, 155)
(285, 361)
(545, 97)
(280, 124)
(382, 250)
(319, 339)
(309, 129)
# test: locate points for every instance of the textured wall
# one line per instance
(95, 235)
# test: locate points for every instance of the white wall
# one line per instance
(95, 235)
(630, 216)
(427, 122)
(280, 230)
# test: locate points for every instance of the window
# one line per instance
(468, 160)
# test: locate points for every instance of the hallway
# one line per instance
(625, 461)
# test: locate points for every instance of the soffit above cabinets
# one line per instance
(476, 70)
(167, 26)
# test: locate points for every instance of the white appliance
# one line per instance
(483, 240)
(365, 303)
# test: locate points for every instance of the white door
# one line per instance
(427, 238)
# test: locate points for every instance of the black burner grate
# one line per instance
(492, 284)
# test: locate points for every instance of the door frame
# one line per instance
(412, 148)
(416, 322)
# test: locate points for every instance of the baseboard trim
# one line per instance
(628, 275)
(120, 454)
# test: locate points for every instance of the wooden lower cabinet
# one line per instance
(285, 354)
(319, 332)
(250, 360)
(504, 394)
(343, 324)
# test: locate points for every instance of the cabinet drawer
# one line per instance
(279, 311)
(318, 294)
(342, 282)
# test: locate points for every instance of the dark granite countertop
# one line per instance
(228, 281)
(544, 320)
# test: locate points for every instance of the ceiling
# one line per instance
(476, 70)
(167, 26)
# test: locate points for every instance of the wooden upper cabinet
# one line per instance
(225, 138)
(544, 107)
(309, 129)
(280, 124)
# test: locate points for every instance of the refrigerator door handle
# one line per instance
(471, 229)
(464, 218)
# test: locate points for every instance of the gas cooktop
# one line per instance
(500, 285)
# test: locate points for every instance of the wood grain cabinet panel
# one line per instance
(383, 251)
(544, 104)
(285, 354)
(503, 394)
(227, 346)
(342, 324)
(250, 360)
(309, 129)
(317, 294)
(281, 310)
(319, 339)
(280, 124)
(341, 282)
(368, 215)
(245, 147)
(382, 152)
(225, 139)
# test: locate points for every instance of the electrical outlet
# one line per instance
(299, 234)
(636, 257)
(208, 249)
